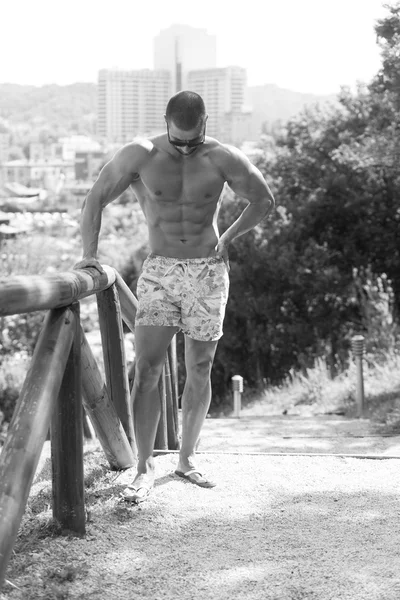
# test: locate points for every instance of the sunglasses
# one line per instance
(189, 143)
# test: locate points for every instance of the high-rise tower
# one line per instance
(131, 103)
(223, 92)
(182, 48)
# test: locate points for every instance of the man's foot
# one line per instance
(194, 476)
(139, 489)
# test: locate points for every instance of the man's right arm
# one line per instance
(114, 178)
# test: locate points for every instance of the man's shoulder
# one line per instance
(136, 152)
(139, 146)
(225, 156)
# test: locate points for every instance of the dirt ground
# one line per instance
(302, 433)
(276, 527)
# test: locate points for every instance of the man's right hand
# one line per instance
(89, 262)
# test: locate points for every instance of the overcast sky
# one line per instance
(303, 45)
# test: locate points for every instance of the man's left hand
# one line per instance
(221, 250)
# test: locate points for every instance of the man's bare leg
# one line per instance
(196, 398)
(151, 343)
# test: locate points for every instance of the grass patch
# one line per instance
(316, 390)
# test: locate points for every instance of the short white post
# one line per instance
(357, 346)
(237, 386)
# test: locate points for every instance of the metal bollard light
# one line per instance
(237, 386)
(357, 346)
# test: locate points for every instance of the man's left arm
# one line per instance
(247, 182)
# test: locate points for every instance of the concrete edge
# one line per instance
(311, 454)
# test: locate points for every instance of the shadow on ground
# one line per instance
(275, 528)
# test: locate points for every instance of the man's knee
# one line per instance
(147, 374)
(200, 367)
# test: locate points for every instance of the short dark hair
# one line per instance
(186, 110)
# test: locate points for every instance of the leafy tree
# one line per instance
(323, 266)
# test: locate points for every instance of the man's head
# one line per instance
(186, 121)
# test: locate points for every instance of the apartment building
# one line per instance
(46, 174)
(131, 103)
(223, 91)
(4, 146)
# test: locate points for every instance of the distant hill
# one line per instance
(75, 105)
(59, 106)
(271, 103)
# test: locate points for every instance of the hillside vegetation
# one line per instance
(72, 104)
(55, 105)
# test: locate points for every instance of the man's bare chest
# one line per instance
(189, 180)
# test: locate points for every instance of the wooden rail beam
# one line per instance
(29, 293)
(116, 372)
(173, 363)
(171, 402)
(161, 441)
(102, 413)
(67, 442)
(128, 302)
(30, 424)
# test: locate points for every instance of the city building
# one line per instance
(4, 146)
(237, 127)
(78, 143)
(223, 91)
(4, 151)
(46, 174)
(88, 156)
(131, 103)
(88, 165)
(182, 48)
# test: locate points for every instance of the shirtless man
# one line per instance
(178, 178)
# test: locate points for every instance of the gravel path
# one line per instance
(275, 528)
(303, 434)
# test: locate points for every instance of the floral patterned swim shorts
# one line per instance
(189, 293)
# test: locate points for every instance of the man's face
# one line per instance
(186, 142)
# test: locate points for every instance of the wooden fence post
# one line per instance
(112, 337)
(67, 442)
(161, 441)
(102, 412)
(174, 418)
(128, 302)
(30, 424)
(172, 432)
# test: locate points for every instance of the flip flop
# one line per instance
(203, 482)
(135, 495)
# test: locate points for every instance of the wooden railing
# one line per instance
(64, 377)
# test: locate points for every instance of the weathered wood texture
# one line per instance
(67, 442)
(115, 367)
(128, 302)
(88, 431)
(172, 418)
(27, 293)
(173, 363)
(161, 441)
(102, 412)
(30, 424)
